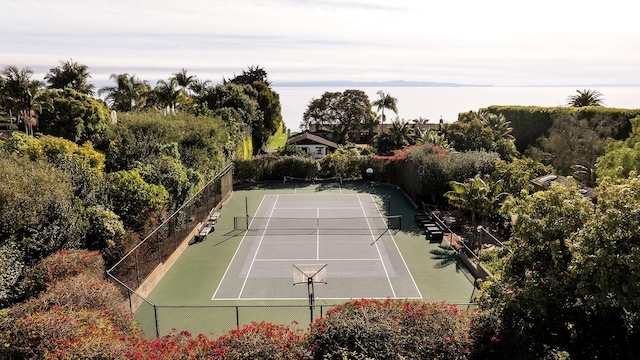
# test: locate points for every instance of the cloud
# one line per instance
(466, 41)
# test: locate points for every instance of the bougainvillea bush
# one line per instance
(391, 329)
(79, 315)
(253, 341)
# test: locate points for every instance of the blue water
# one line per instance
(434, 103)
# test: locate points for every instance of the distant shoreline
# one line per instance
(403, 83)
(393, 83)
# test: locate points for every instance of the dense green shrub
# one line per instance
(74, 116)
(344, 162)
(300, 167)
(424, 171)
(205, 144)
(392, 329)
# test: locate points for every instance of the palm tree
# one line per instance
(401, 134)
(183, 80)
(479, 196)
(586, 98)
(167, 94)
(21, 95)
(199, 86)
(128, 94)
(500, 126)
(385, 101)
(435, 137)
(72, 75)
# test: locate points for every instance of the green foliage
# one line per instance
(275, 168)
(169, 172)
(300, 167)
(607, 268)
(482, 131)
(397, 136)
(529, 310)
(529, 123)
(344, 162)
(424, 171)
(385, 101)
(37, 208)
(11, 271)
(204, 144)
(469, 134)
(292, 150)
(105, 233)
(494, 259)
(128, 94)
(70, 74)
(83, 163)
(135, 200)
(255, 107)
(518, 173)
(341, 113)
(74, 116)
(250, 170)
(391, 329)
(479, 195)
(585, 98)
(622, 157)
(574, 141)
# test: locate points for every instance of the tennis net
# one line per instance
(346, 223)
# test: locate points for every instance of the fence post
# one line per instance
(155, 315)
(137, 270)
(237, 317)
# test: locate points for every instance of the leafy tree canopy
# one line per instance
(339, 112)
(74, 116)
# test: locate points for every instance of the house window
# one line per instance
(319, 150)
(305, 149)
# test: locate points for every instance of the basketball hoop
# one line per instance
(310, 274)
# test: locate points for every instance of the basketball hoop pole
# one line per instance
(310, 274)
(311, 296)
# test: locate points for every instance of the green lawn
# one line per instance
(277, 141)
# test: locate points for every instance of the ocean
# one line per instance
(434, 103)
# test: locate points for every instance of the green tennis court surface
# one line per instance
(347, 232)
(342, 225)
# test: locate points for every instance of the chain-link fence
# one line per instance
(212, 319)
(156, 248)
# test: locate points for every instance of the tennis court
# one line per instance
(346, 232)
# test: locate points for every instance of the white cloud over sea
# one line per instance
(469, 42)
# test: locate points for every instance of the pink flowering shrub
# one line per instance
(253, 341)
(391, 329)
(60, 265)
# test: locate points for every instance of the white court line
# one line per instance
(234, 255)
(373, 237)
(324, 259)
(323, 208)
(399, 252)
(318, 235)
(258, 249)
(306, 298)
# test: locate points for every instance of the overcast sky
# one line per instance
(544, 42)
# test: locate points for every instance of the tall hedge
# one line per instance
(424, 172)
(529, 123)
